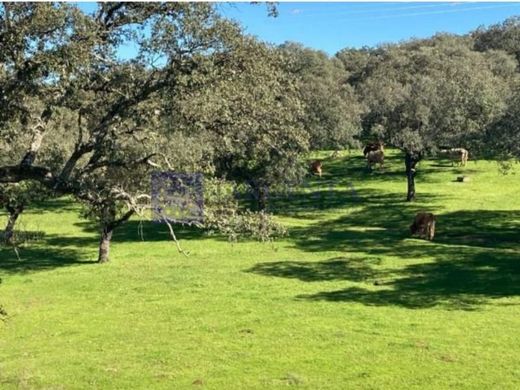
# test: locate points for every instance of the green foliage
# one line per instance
(332, 112)
(502, 138)
(223, 215)
(359, 63)
(246, 108)
(427, 94)
(39, 47)
(502, 36)
(96, 124)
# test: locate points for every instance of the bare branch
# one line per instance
(92, 166)
(121, 220)
(174, 238)
(17, 173)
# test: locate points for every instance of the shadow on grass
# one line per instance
(135, 230)
(53, 205)
(487, 229)
(475, 256)
(36, 258)
(54, 251)
(375, 228)
(463, 280)
(460, 283)
(311, 201)
(338, 268)
(24, 236)
(354, 168)
(374, 218)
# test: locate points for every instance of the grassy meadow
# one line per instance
(347, 300)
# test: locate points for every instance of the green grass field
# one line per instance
(347, 300)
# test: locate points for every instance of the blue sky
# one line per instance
(334, 26)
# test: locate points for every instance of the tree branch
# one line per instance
(38, 134)
(18, 173)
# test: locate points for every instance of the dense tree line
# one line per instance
(201, 96)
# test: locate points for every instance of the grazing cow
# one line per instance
(372, 147)
(375, 157)
(459, 155)
(423, 226)
(316, 167)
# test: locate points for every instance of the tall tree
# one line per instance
(249, 111)
(62, 62)
(431, 93)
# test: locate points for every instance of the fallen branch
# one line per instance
(174, 238)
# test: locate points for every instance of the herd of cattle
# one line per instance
(424, 223)
(375, 154)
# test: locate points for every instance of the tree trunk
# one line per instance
(70, 164)
(263, 198)
(410, 160)
(37, 138)
(104, 244)
(14, 213)
(260, 195)
(108, 226)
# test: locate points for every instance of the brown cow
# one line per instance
(458, 155)
(423, 226)
(372, 147)
(375, 157)
(316, 166)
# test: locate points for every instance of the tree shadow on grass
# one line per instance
(338, 268)
(475, 256)
(461, 283)
(463, 280)
(37, 258)
(374, 218)
(53, 205)
(383, 220)
(342, 170)
(322, 193)
(135, 230)
(312, 201)
(390, 237)
(491, 229)
(54, 251)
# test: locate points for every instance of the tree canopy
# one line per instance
(331, 109)
(424, 95)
